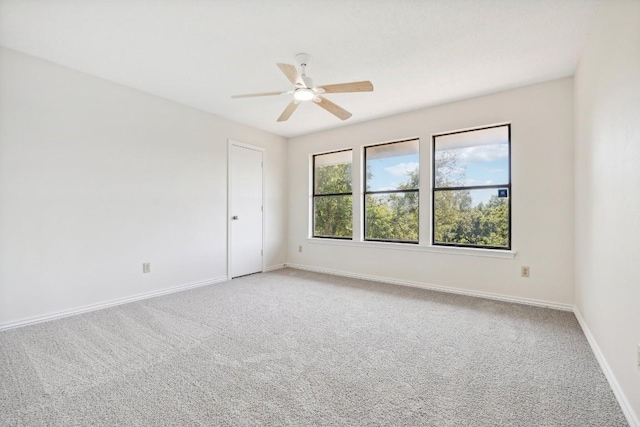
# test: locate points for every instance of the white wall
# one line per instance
(542, 177)
(607, 101)
(97, 178)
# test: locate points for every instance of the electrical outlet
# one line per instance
(300, 248)
(146, 267)
(524, 271)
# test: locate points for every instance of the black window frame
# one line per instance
(470, 187)
(366, 193)
(314, 195)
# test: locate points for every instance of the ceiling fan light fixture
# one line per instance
(304, 90)
(304, 94)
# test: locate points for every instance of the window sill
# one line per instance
(478, 252)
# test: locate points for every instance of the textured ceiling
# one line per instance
(417, 53)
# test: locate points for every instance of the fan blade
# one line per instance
(365, 86)
(258, 94)
(292, 73)
(288, 111)
(337, 111)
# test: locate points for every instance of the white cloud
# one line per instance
(484, 153)
(402, 169)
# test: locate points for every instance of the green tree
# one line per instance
(333, 215)
(457, 220)
(394, 216)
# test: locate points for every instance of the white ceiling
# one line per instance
(417, 53)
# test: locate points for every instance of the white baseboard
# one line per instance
(632, 418)
(626, 407)
(99, 306)
(538, 303)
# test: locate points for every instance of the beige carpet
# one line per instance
(298, 348)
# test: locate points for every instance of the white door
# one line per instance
(245, 209)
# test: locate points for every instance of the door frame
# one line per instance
(230, 144)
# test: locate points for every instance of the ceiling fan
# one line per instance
(304, 90)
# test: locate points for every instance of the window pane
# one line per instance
(479, 157)
(333, 216)
(472, 217)
(392, 216)
(332, 173)
(393, 166)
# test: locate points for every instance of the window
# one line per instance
(332, 195)
(391, 192)
(472, 188)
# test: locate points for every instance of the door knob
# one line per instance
(235, 217)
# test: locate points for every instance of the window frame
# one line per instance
(314, 195)
(365, 193)
(434, 189)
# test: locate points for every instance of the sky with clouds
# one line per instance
(477, 165)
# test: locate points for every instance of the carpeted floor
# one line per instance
(298, 348)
